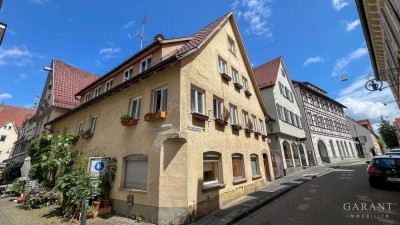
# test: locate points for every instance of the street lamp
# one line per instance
(3, 28)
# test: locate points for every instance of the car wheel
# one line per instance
(373, 183)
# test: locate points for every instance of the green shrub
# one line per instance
(38, 198)
(13, 171)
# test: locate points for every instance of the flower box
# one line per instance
(199, 116)
(237, 127)
(128, 123)
(155, 116)
(87, 134)
(257, 133)
(237, 85)
(264, 136)
(221, 122)
(248, 93)
(248, 130)
(226, 77)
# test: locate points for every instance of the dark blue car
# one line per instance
(384, 169)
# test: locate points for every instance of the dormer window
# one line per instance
(108, 85)
(231, 45)
(87, 97)
(127, 74)
(96, 92)
(146, 64)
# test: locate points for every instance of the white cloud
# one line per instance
(339, 4)
(129, 24)
(316, 59)
(256, 13)
(364, 104)
(110, 52)
(18, 55)
(39, 1)
(342, 63)
(22, 77)
(352, 25)
(5, 96)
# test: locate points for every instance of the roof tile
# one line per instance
(18, 114)
(267, 73)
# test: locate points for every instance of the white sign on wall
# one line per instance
(97, 166)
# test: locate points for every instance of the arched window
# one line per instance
(287, 153)
(237, 166)
(296, 156)
(211, 168)
(351, 148)
(344, 152)
(339, 148)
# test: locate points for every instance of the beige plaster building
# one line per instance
(197, 140)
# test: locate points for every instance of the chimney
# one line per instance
(159, 37)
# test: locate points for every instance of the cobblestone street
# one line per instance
(12, 214)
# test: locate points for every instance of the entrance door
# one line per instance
(277, 162)
(266, 167)
(323, 152)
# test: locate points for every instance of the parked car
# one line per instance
(395, 150)
(384, 169)
(392, 153)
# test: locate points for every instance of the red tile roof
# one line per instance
(68, 80)
(267, 73)
(366, 123)
(17, 114)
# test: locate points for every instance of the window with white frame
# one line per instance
(283, 72)
(160, 98)
(97, 91)
(231, 45)
(136, 167)
(218, 108)
(196, 101)
(79, 131)
(145, 64)
(294, 120)
(234, 115)
(136, 104)
(211, 168)
(287, 115)
(235, 75)
(108, 86)
(281, 112)
(127, 74)
(222, 66)
(245, 119)
(87, 97)
(237, 166)
(255, 170)
(254, 120)
(93, 122)
(261, 126)
(245, 84)
(300, 125)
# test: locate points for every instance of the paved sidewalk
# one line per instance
(250, 203)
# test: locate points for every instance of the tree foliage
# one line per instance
(13, 171)
(50, 153)
(388, 133)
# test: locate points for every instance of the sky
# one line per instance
(320, 40)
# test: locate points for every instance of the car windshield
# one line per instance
(387, 163)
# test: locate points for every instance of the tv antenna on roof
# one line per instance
(141, 34)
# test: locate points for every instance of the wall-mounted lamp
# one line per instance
(46, 68)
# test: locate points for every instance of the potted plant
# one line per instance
(87, 134)
(97, 203)
(128, 120)
(107, 179)
(90, 211)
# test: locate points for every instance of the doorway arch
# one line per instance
(323, 152)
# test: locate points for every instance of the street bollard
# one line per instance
(84, 212)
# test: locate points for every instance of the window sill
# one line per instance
(226, 77)
(248, 130)
(238, 86)
(236, 127)
(221, 122)
(256, 177)
(210, 187)
(248, 93)
(239, 181)
(133, 190)
(199, 116)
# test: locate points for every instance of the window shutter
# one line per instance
(136, 172)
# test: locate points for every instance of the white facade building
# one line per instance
(8, 134)
(327, 130)
(285, 126)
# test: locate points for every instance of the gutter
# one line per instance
(117, 88)
(367, 35)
